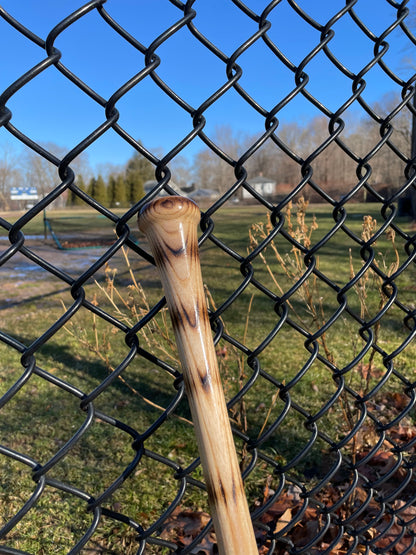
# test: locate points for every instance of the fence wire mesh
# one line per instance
(312, 309)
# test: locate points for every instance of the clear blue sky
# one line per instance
(51, 109)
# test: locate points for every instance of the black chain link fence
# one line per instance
(323, 426)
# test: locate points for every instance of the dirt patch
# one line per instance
(81, 244)
(25, 280)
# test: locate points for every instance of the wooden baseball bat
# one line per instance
(170, 225)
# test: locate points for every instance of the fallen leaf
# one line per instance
(283, 521)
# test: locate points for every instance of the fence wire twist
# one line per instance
(363, 499)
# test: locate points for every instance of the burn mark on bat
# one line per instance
(181, 316)
(194, 320)
(160, 255)
(217, 494)
(236, 491)
(165, 254)
(195, 379)
(222, 491)
(205, 380)
(176, 317)
(177, 252)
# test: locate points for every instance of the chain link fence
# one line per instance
(312, 309)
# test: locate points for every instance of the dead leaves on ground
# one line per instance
(293, 520)
(183, 527)
(298, 521)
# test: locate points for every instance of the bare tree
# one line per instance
(43, 175)
(181, 171)
(334, 170)
(410, 63)
(267, 160)
(386, 165)
(291, 135)
(107, 169)
(10, 173)
(205, 164)
(211, 170)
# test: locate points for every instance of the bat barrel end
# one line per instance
(168, 208)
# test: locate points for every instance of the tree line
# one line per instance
(335, 169)
(118, 186)
(121, 188)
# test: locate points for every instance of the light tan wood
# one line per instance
(170, 224)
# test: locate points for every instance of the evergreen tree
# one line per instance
(91, 187)
(117, 193)
(101, 191)
(98, 190)
(111, 191)
(138, 171)
(73, 199)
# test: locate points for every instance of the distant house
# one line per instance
(265, 186)
(23, 197)
(149, 185)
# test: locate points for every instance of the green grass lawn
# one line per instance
(42, 417)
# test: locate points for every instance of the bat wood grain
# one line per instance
(170, 225)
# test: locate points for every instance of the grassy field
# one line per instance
(41, 417)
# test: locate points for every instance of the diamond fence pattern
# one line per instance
(317, 355)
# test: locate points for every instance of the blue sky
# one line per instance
(51, 109)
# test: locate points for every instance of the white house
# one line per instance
(265, 186)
